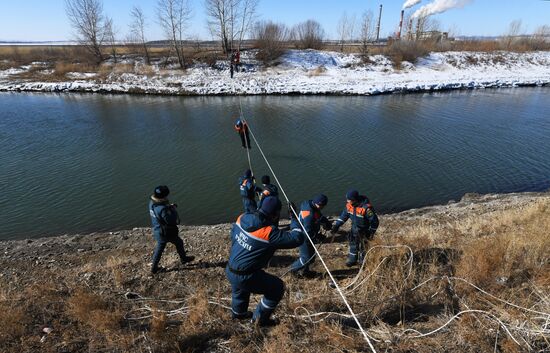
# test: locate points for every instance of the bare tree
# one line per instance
(230, 20)
(247, 14)
(541, 38)
(511, 35)
(425, 23)
(270, 40)
(87, 19)
(219, 13)
(137, 30)
(110, 37)
(173, 17)
(346, 29)
(342, 29)
(366, 30)
(309, 35)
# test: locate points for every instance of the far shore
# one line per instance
(298, 72)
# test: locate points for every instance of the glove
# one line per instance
(335, 228)
(320, 238)
(291, 206)
(327, 225)
(370, 235)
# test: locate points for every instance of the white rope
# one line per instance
(419, 335)
(409, 262)
(484, 292)
(244, 132)
(311, 241)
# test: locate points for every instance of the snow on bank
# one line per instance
(316, 72)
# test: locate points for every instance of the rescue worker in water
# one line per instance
(364, 223)
(254, 240)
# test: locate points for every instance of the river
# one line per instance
(79, 163)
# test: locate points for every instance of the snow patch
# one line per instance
(312, 72)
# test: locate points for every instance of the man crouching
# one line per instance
(254, 239)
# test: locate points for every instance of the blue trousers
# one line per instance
(161, 245)
(357, 244)
(249, 205)
(307, 257)
(260, 282)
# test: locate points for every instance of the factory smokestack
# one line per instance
(378, 26)
(439, 6)
(401, 24)
(410, 3)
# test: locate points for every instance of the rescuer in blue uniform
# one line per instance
(165, 220)
(364, 223)
(248, 191)
(254, 240)
(268, 189)
(312, 219)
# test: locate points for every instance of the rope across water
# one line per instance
(365, 335)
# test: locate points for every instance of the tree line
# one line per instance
(230, 21)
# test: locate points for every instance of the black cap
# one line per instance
(266, 179)
(247, 173)
(161, 191)
(270, 206)
(352, 195)
(320, 200)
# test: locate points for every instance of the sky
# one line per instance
(44, 20)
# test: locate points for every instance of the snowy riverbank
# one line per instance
(305, 72)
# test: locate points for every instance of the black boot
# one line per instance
(244, 316)
(187, 259)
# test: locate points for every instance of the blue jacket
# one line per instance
(247, 188)
(268, 190)
(164, 217)
(311, 218)
(254, 241)
(363, 217)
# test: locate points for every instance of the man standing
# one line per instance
(312, 219)
(364, 223)
(242, 128)
(248, 191)
(254, 240)
(165, 220)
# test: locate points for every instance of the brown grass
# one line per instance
(92, 310)
(503, 250)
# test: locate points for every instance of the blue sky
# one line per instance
(46, 19)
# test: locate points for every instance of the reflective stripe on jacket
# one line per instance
(363, 217)
(254, 241)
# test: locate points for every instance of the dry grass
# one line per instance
(92, 310)
(504, 251)
(319, 71)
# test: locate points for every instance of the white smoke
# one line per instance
(439, 6)
(410, 3)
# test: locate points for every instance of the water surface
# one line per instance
(77, 163)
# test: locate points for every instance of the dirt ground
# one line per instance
(470, 276)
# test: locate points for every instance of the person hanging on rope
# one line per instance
(254, 240)
(242, 128)
(364, 223)
(165, 220)
(312, 219)
(248, 191)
